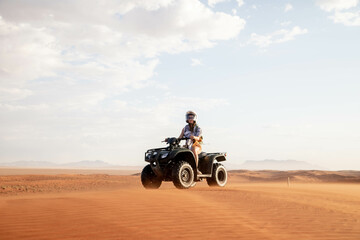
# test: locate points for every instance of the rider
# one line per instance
(194, 133)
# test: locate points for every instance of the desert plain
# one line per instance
(74, 204)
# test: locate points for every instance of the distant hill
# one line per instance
(80, 165)
(294, 176)
(98, 164)
(89, 164)
(270, 164)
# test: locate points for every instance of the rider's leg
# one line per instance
(196, 150)
(193, 149)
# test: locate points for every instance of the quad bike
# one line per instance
(177, 164)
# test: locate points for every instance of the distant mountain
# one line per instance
(89, 164)
(80, 164)
(270, 164)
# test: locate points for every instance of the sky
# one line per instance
(107, 80)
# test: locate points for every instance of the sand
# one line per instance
(117, 207)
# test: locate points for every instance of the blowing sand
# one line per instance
(117, 207)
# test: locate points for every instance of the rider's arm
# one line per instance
(197, 135)
(196, 138)
(182, 133)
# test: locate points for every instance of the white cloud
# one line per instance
(330, 5)
(234, 11)
(288, 7)
(347, 18)
(28, 52)
(102, 45)
(212, 3)
(184, 21)
(240, 2)
(280, 36)
(196, 62)
(63, 73)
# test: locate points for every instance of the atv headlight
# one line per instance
(148, 155)
(164, 155)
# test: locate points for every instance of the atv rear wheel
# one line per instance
(183, 175)
(149, 179)
(219, 176)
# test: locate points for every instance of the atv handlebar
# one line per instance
(174, 140)
(183, 138)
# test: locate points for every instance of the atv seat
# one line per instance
(202, 155)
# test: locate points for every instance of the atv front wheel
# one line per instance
(149, 179)
(219, 176)
(183, 175)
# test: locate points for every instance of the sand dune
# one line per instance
(119, 208)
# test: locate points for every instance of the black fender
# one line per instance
(206, 164)
(155, 166)
(220, 158)
(184, 155)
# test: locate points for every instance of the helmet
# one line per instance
(190, 115)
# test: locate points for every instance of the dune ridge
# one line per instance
(33, 183)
